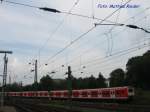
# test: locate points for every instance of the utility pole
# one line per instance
(35, 70)
(69, 83)
(35, 77)
(4, 75)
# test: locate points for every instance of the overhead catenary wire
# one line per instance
(56, 29)
(127, 25)
(102, 59)
(82, 35)
(100, 68)
(84, 16)
(110, 59)
(110, 41)
(122, 53)
(22, 4)
(56, 11)
(106, 57)
(137, 48)
(122, 30)
(116, 54)
(122, 24)
(59, 24)
(130, 18)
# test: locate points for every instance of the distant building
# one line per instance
(107, 82)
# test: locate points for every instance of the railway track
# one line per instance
(117, 107)
(23, 107)
(43, 106)
(34, 106)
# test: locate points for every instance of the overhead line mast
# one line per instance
(4, 75)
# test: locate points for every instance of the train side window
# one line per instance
(94, 93)
(106, 93)
(45, 94)
(100, 93)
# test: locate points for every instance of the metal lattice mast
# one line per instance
(4, 75)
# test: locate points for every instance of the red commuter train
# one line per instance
(115, 93)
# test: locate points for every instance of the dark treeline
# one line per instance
(137, 74)
(47, 83)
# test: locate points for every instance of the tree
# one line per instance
(14, 87)
(138, 71)
(117, 78)
(101, 81)
(91, 82)
(46, 83)
(28, 88)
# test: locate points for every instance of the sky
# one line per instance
(36, 34)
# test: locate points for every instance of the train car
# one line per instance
(29, 94)
(118, 93)
(115, 93)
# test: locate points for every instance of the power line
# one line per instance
(16, 3)
(131, 18)
(82, 35)
(124, 52)
(99, 59)
(55, 10)
(128, 25)
(100, 68)
(107, 58)
(117, 34)
(100, 64)
(110, 41)
(59, 24)
(71, 43)
(141, 48)
(104, 67)
(119, 52)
